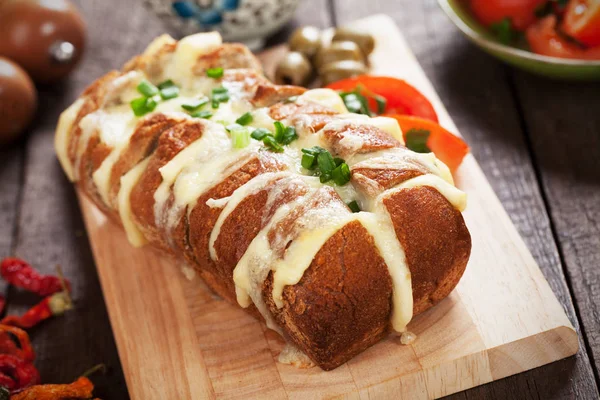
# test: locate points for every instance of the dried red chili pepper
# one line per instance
(53, 305)
(2, 303)
(82, 388)
(7, 346)
(19, 273)
(22, 373)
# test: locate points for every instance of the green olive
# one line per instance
(306, 40)
(364, 40)
(338, 51)
(293, 69)
(341, 70)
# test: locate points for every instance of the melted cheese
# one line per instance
(253, 186)
(63, 136)
(455, 196)
(325, 97)
(128, 181)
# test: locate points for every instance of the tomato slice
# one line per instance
(401, 97)
(544, 39)
(449, 148)
(520, 12)
(582, 21)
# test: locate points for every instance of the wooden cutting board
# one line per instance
(177, 340)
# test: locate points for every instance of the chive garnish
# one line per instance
(194, 104)
(272, 144)
(219, 95)
(147, 89)
(240, 136)
(202, 114)
(353, 206)
(215, 72)
(326, 167)
(308, 161)
(285, 134)
(169, 92)
(260, 133)
(245, 119)
(341, 174)
(143, 105)
(166, 84)
(416, 140)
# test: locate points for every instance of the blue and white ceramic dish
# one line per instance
(248, 21)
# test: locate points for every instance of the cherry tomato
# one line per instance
(582, 21)
(544, 39)
(449, 148)
(401, 97)
(520, 12)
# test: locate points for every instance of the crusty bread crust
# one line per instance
(343, 302)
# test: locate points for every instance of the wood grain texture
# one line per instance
(474, 87)
(564, 138)
(502, 319)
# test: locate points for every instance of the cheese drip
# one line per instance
(128, 181)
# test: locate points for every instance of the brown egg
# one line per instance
(45, 37)
(18, 100)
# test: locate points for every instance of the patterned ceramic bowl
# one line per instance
(248, 21)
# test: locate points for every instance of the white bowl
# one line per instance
(247, 21)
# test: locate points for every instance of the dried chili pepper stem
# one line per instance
(53, 305)
(64, 284)
(96, 368)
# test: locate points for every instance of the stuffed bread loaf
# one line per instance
(257, 227)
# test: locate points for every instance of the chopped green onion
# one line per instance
(353, 206)
(170, 92)
(214, 72)
(202, 114)
(147, 89)
(272, 144)
(356, 103)
(325, 177)
(381, 103)
(260, 133)
(325, 162)
(284, 135)
(341, 174)
(219, 95)
(313, 150)
(139, 106)
(240, 137)
(195, 104)
(143, 105)
(416, 140)
(233, 127)
(166, 84)
(245, 119)
(308, 161)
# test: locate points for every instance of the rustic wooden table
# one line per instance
(538, 142)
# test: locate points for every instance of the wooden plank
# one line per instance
(474, 88)
(502, 305)
(11, 174)
(563, 124)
